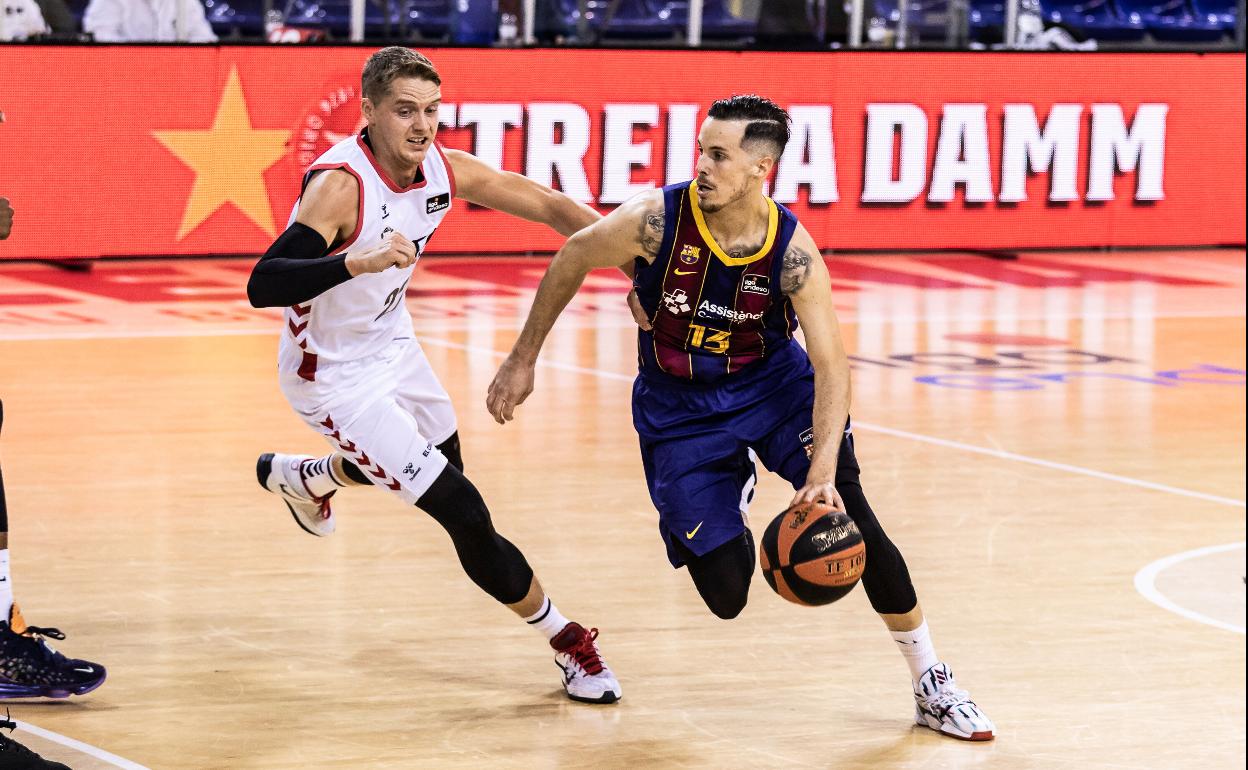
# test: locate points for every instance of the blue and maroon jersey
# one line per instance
(713, 315)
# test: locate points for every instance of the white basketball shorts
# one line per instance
(387, 413)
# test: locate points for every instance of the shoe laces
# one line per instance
(51, 633)
(585, 653)
(33, 638)
(947, 697)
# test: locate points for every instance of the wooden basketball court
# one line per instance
(1056, 444)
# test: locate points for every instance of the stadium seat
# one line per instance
(1221, 12)
(425, 18)
(717, 21)
(1099, 19)
(928, 19)
(1170, 20)
(235, 18)
(986, 21)
(632, 18)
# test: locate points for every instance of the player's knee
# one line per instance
(454, 502)
(727, 605)
(451, 450)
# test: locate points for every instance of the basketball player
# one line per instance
(349, 362)
(724, 274)
(29, 667)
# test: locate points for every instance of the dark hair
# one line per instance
(767, 121)
(383, 67)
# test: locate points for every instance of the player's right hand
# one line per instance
(6, 218)
(511, 386)
(394, 251)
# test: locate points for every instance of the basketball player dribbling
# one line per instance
(349, 363)
(724, 274)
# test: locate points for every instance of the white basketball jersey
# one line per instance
(357, 318)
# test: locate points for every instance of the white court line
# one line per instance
(85, 748)
(1102, 475)
(1050, 464)
(1145, 583)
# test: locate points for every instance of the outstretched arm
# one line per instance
(806, 282)
(478, 182)
(634, 229)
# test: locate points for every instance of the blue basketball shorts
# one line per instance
(699, 444)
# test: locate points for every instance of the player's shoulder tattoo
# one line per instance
(652, 221)
(795, 270)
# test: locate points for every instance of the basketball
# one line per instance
(813, 554)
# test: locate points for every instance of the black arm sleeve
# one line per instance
(293, 270)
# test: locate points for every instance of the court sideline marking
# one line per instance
(85, 748)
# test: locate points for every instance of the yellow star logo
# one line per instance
(229, 161)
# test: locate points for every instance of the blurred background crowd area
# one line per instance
(724, 24)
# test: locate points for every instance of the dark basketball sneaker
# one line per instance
(585, 675)
(15, 756)
(30, 668)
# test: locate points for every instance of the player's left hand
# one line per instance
(511, 386)
(819, 490)
(639, 312)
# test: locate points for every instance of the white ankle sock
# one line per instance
(548, 621)
(6, 586)
(916, 648)
(318, 474)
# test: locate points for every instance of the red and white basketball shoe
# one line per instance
(586, 677)
(280, 474)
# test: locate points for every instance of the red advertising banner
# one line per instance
(151, 151)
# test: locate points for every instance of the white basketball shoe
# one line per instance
(586, 677)
(942, 706)
(281, 475)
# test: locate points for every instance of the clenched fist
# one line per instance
(6, 218)
(394, 251)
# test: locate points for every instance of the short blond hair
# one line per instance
(388, 64)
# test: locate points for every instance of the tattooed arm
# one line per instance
(613, 241)
(804, 279)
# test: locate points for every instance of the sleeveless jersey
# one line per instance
(713, 315)
(357, 318)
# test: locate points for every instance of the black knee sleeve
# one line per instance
(451, 449)
(886, 578)
(722, 576)
(490, 560)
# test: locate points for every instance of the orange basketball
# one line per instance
(813, 554)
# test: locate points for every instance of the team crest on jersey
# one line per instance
(437, 203)
(690, 254)
(756, 284)
(676, 302)
(807, 440)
